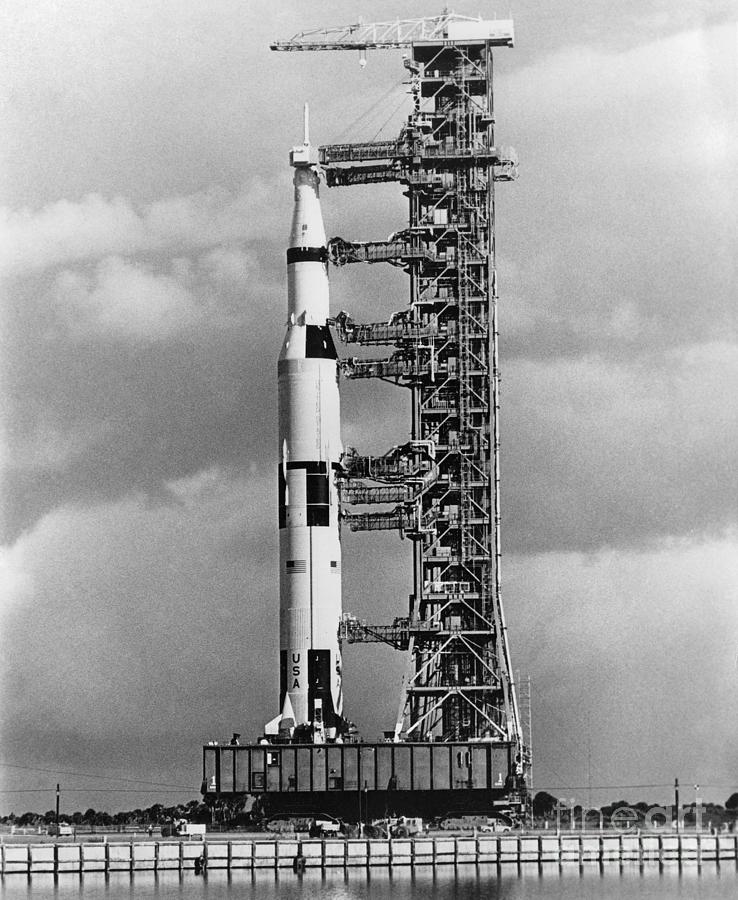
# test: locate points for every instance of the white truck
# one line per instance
(183, 828)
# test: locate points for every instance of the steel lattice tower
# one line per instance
(442, 489)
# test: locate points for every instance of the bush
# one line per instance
(544, 803)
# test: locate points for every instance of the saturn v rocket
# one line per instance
(310, 449)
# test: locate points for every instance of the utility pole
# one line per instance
(57, 809)
(530, 750)
(697, 809)
(676, 802)
(589, 758)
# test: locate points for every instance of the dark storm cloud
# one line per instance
(599, 453)
(632, 659)
(103, 399)
(144, 628)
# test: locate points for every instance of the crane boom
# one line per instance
(402, 33)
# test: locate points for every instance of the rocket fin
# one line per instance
(287, 717)
(272, 728)
(285, 721)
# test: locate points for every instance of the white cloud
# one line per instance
(55, 442)
(670, 101)
(228, 265)
(66, 232)
(619, 230)
(122, 299)
(16, 582)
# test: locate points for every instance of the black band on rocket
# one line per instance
(319, 343)
(319, 466)
(314, 468)
(317, 494)
(307, 254)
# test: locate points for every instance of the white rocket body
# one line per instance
(310, 449)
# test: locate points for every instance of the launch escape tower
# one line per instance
(442, 488)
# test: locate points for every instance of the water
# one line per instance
(483, 883)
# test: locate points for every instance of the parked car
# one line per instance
(324, 825)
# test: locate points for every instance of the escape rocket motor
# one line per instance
(310, 450)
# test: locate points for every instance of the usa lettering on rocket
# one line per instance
(310, 449)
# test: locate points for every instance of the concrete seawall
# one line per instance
(524, 849)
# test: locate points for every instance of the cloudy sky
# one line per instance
(145, 206)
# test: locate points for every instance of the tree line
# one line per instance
(545, 807)
(156, 814)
